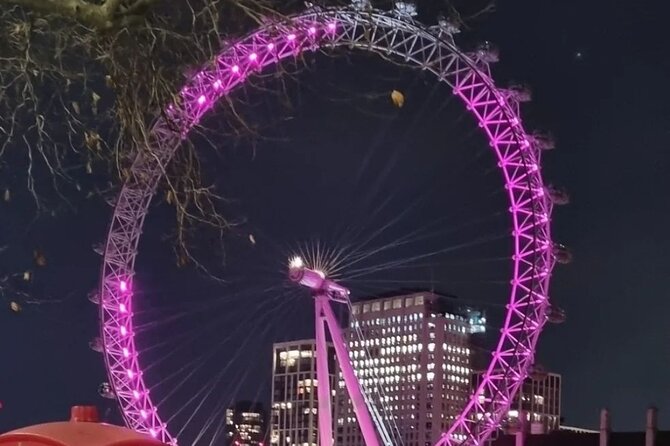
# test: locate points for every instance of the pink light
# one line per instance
(331, 26)
(311, 30)
(136, 394)
(123, 308)
(202, 99)
(235, 68)
(253, 57)
(126, 353)
(123, 286)
(217, 84)
(153, 432)
(143, 413)
(130, 373)
(123, 330)
(291, 37)
(271, 46)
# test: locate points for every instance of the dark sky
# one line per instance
(610, 113)
(597, 70)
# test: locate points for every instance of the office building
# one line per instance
(538, 399)
(414, 348)
(295, 420)
(246, 424)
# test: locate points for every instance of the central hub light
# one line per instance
(316, 281)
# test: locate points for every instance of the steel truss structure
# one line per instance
(389, 34)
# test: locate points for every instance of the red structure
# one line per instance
(83, 429)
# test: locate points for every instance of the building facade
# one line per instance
(246, 424)
(414, 349)
(295, 420)
(538, 399)
(603, 436)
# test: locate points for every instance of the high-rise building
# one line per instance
(538, 399)
(295, 420)
(246, 424)
(414, 347)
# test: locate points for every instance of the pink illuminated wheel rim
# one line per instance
(429, 48)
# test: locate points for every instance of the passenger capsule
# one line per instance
(487, 52)
(96, 345)
(94, 296)
(537, 372)
(105, 390)
(542, 141)
(448, 26)
(555, 315)
(519, 93)
(99, 248)
(558, 196)
(562, 254)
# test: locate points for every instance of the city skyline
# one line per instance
(409, 350)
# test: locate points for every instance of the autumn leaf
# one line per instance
(92, 140)
(95, 97)
(398, 98)
(40, 258)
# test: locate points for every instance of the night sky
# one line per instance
(597, 70)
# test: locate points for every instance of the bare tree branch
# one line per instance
(101, 16)
(84, 12)
(81, 81)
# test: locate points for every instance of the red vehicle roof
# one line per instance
(82, 430)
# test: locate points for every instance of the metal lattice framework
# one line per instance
(390, 35)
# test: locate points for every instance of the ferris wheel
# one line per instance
(390, 34)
